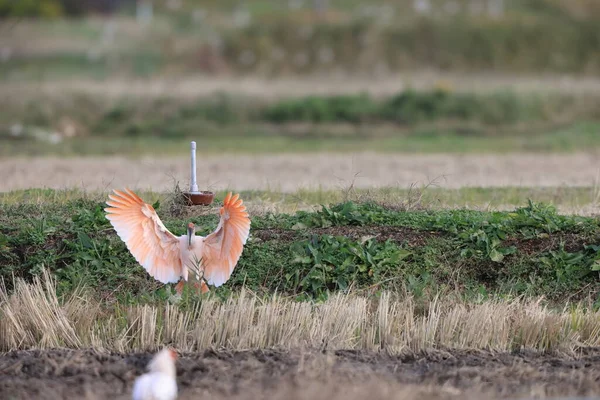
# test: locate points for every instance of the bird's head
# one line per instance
(191, 232)
(164, 361)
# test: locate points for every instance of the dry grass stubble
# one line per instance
(33, 317)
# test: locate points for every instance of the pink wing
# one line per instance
(148, 240)
(223, 247)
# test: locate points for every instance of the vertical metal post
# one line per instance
(194, 185)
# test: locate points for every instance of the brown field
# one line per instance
(185, 87)
(306, 374)
(290, 172)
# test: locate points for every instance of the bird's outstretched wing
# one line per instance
(223, 247)
(148, 240)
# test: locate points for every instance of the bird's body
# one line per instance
(167, 257)
(160, 382)
(155, 386)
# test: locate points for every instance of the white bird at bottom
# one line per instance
(160, 382)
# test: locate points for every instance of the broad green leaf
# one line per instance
(496, 256)
(298, 226)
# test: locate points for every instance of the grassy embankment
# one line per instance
(367, 247)
(399, 278)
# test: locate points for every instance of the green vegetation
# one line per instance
(52, 8)
(167, 117)
(29, 8)
(364, 246)
(411, 107)
(429, 121)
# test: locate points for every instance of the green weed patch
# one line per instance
(532, 251)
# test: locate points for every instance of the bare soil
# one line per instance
(87, 374)
(290, 172)
(398, 234)
(572, 242)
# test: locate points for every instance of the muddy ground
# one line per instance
(289, 172)
(314, 375)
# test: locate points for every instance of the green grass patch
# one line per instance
(532, 250)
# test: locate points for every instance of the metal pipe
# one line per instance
(194, 185)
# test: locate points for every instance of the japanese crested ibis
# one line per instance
(167, 257)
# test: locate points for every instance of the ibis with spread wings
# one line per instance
(167, 257)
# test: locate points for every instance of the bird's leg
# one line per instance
(201, 287)
(196, 286)
(179, 286)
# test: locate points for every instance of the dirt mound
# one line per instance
(87, 374)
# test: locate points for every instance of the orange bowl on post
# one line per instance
(203, 198)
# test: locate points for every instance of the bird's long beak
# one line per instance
(190, 233)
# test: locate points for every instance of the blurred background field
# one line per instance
(123, 76)
(150, 38)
